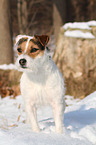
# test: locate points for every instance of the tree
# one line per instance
(34, 16)
(6, 53)
(59, 15)
(22, 16)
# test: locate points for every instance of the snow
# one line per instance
(6, 67)
(79, 122)
(77, 29)
(79, 34)
(91, 23)
(76, 25)
(80, 25)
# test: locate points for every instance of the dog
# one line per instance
(41, 82)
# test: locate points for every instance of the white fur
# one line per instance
(27, 43)
(42, 84)
(22, 36)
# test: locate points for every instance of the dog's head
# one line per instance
(31, 51)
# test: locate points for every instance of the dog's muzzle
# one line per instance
(22, 63)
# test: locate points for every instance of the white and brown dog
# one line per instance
(41, 82)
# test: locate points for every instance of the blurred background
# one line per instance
(40, 17)
(48, 17)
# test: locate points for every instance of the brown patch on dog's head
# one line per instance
(21, 45)
(33, 50)
(22, 40)
(36, 45)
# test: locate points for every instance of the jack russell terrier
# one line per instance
(41, 82)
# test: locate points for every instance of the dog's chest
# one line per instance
(35, 91)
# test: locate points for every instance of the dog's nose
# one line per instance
(22, 61)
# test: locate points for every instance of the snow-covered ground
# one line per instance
(79, 122)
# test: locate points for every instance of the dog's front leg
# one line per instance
(58, 112)
(32, 116)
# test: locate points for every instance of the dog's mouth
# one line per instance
(23, 67)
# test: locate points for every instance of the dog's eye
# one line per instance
(19, 50)
(33, 50)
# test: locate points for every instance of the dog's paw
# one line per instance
(59, 130)
(28, 121)
(36, 129)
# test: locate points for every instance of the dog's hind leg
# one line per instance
(31, 112)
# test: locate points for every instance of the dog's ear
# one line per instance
(43, 39)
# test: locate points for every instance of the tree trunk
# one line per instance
(22, 16)
(80, 10)
(59, 14)
(6, 53)
(76, 59)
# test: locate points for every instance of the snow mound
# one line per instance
(6, 67)
(79, 34)
(80, 25)
(79, 122)
(76, 29)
